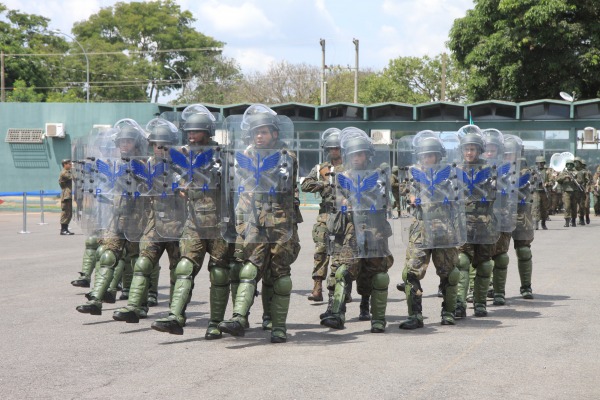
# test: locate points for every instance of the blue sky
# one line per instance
(259, 32)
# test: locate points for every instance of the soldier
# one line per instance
(201, 166)
(523, 232)
(438, 226)
(541, 199)
(320, 181)
(584, 178)
(123, 210)
(596, 191)
(265, 177)
(363, 199)
(164, 223)
(482, 225)
(65, 180)
(395, 184)
(569, 186)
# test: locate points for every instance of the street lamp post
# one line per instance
(87, 63)
(180, 79)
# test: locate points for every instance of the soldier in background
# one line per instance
(319, 180)
(541, 197)
(582, 178)
(395, 184)
(569, 186)
(589, 185)
(596, 191)
(65, 180)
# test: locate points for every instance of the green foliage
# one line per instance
(519, 50)
(21, 93)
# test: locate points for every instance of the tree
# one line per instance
(144, 37)
(25, 45)
(520, 50)
(21, 93)
(281, 83)
(415, 80)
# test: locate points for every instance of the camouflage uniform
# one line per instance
(567, 180)
(541, 195)
(583, 178)
(588, 191)
(65, 180)
(395, 184)
(596, 191)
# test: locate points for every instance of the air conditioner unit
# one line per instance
(589, 135)
(381, 136)
(55, 130)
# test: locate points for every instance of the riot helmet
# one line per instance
(255, 119)
(162, 131)
(470, 135)
(130, 137)
(493, 142)
(354, 141)
(198, 118)
(330, 139)
(540, 160)
(513, 147)
(426, 143)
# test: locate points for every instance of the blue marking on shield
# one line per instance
(418, 201)
(174, 186)
(163, 194)
(522, 202)
(344, 209)
(124, 194)
(272, 191)
(240, 190)
(136, 195)
(98, 191)
(503, 192)
(446, 201)
(483, 199)
(205, 187)
(373, 208)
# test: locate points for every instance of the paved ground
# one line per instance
(546, 348)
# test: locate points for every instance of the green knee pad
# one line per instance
(246, 289)
(453, 277)
(91, 243)
(463, 282)
(219, 293)
(280, 303)
(450, 291)
(379, 296)
(523, 253)
(138, 290)
(485, 269)
(463, 262)
(143, 266)
(501, 261)
(482, 282)
(104, 273)
(404, 274)
(184, 268)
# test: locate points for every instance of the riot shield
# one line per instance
(478, 177)
(96, 208)
(261, 177)
(524, 229)
(363, 194)
(439, 202)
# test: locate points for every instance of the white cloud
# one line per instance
(62, 14)
(251, 59)
(243, 21)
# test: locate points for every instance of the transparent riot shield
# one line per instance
(524, 229)
(97, 202)
(261, 177)
(363, 194)
(478, 177)
(130, 208)
(438, 199)
(405, 158)
(507, 174)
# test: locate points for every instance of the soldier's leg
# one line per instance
(484, 266)
(266, 294)
(364, 287)
(499, 280)
(596, 205)
(586, 207)
(417, 260)
(131, 256)
(280, 304)
(469, 297)
(337, 316)
(88, 263)
(243, 301)
(219, 296)
(104, 274)
(525, 264)
(113, 287)
(445, 262)
(136, 305)
(321, 261)
(464, 262)
(567, 206)
(379, 296)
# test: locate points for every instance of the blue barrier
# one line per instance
(38, 192)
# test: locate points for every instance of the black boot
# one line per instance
(329, 304)
(401, 286)
(573, 223)
(64, 230)
(364, 309)
(587, 219)
(581, 221)
(544, 226)
(566, 222)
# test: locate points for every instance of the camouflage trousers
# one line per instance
(320, 236)
(596, 204)
(541, 205)
(66, 211)
(272, 259)
(570, 204)
(477, 253)
(153, 246)
(194, 248)
(417, 258)
(585, 205)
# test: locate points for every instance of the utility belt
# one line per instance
(196, 194)
(278, 198)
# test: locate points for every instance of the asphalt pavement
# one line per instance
(545, 348)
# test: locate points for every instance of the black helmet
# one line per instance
(471, 134)
(331, 138)
(493, 137)
(513, 145)
(200, 122)
(354, 140)
(162, 131)
(258, 115)
(129, 132)
(428, 141)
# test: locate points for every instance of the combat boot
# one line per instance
(544, 227)
(413, 322)
(526, 292)
(82, 281)
(401, 286)
(447, 317)
(364, 314)
(329, 304)
(414, 296)
(317, 292)
(573, 223)
(587, 219)
(470, 295)
(126, 314)
(581, 221)
(461, 311)
(93, 307)
(169, 325)
(566, 223)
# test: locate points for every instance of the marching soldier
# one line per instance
(65, 180)
(541, 196)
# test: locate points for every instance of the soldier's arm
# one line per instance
(313, 183)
